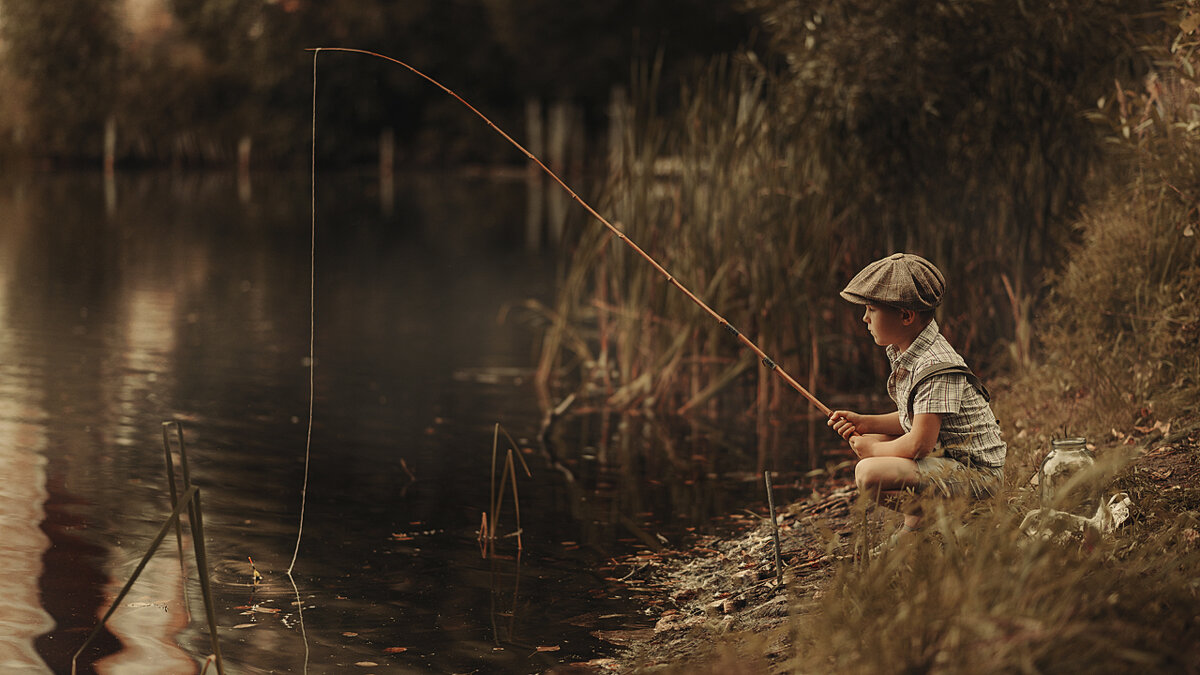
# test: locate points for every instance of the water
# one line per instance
(186, 297)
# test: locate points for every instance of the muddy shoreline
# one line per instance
(698, 597)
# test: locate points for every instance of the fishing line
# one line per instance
(300, 613)
(312, 317)
(747, 342)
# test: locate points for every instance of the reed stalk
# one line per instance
(170, 464)
(489, 530)
(191, 501)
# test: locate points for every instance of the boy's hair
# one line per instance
(901, 280)
(924, 315)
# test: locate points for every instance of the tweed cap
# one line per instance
(901, 280)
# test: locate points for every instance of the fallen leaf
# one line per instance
(367, 664)
(548, 649)
(349, 634)
(395, 650)
(244, 625)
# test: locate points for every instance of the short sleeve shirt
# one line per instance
(969, 432)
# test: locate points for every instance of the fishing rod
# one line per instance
(741, 337)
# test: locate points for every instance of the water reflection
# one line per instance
(22, 480)
(22, 543)
(188, 303)
(185, 303)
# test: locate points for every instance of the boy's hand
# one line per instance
(863, 446)
(845, 423)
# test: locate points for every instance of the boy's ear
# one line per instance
(907, 316)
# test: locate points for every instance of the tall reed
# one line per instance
(726, 195)
(771, 185)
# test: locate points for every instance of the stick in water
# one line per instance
(767, 361)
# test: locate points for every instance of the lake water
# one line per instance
(186, 297)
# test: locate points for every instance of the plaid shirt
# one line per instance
(969, 431)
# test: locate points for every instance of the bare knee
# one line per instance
(866, 478)
(875, 474)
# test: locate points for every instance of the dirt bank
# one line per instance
(704, 601)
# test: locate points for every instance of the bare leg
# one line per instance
(881, 479)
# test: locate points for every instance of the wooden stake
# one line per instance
(774, 528)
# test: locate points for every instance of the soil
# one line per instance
(719, 588)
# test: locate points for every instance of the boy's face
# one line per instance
(888, 325)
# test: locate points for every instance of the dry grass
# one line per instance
(979, 596)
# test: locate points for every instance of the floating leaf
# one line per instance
(367, 664)
(349, 634)
(548, 649)
(395, 650)
(244, 625)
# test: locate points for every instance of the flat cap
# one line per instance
(901, 280)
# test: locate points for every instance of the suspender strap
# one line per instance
(939, 369)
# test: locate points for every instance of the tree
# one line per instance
(956, 111)
(68, 52)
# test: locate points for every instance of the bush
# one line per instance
(1121, 330)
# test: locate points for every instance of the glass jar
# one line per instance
(1068, 479)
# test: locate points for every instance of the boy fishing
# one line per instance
(942, 438)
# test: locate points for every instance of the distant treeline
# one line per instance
(188, 81)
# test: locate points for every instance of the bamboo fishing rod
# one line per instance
(741, 337)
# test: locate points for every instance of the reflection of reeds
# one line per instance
(190, 500)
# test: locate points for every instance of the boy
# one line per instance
(940, 404)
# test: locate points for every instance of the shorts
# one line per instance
(948, 477)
